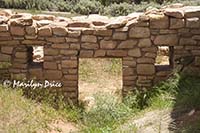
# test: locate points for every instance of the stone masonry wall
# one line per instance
(134, 38)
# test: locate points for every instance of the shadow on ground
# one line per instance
(186, 110)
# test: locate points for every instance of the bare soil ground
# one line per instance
(161, 121)
(63, 127)
(99, 75)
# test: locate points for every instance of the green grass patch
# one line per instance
(19, 114)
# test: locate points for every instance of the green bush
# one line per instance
(107, 114)
(118, 9)
(88, 7)
(109, 2)
(85, 7)
(64, 6)
(29, 4)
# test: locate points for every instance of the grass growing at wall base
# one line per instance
(18, 114)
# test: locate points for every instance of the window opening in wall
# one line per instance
(99, 76)
(164, 57)
(36, 55)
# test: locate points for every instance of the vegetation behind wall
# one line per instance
(85, 7)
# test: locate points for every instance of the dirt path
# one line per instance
(63, 127)
(151, 122)
(161, 121)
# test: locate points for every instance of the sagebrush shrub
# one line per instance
(118, 9)
(88, 7)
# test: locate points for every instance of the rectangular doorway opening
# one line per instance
(99, 76)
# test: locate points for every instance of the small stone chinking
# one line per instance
(134, 38)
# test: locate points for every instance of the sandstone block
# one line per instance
(5, 35)
(177, 13)
(127, 71)
(176, 23)
(48, 58)
(135, 52)
(163, 73)
(127, 44)
(31, 37)
(88, 31)
(69, 52)
(74, 33)
(159, 21)
(195, 31)
(50, 65)
(129, 83)
(36, 73)
(89, 38)
(43, 17)
(31, 30)
(150, 55)
(5, 57)
(117, 23)
(45, 31)
(145, 69)
(89, 45)
(145, 60)
(19, 65)
(187, 41)
(108, 44)
(42, 23)
(196, 37)
(119, 36)
(52, 74)
(123, 29)
(192, 12)
(144, 43)
(3, 27)
(129, 63)
(17, 31)
(7, 50)
(24, 21)
(70, 39)
(139, 32)
(73, 71)
(103, 32)
(56, 39)
(50, 51)
(86, 53)
(129, 78)
(9, 42)
(22, 61)
(192, 22)
(59, 31)
(69, 64)
(5, 38)
(22, 55)
(75, 46)
(141, 22)
(169, 40)
(99, 53)
(79, 24)
(70, 84)
(116, 53)
(33, 42)
(168, 31)
(71, 77)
